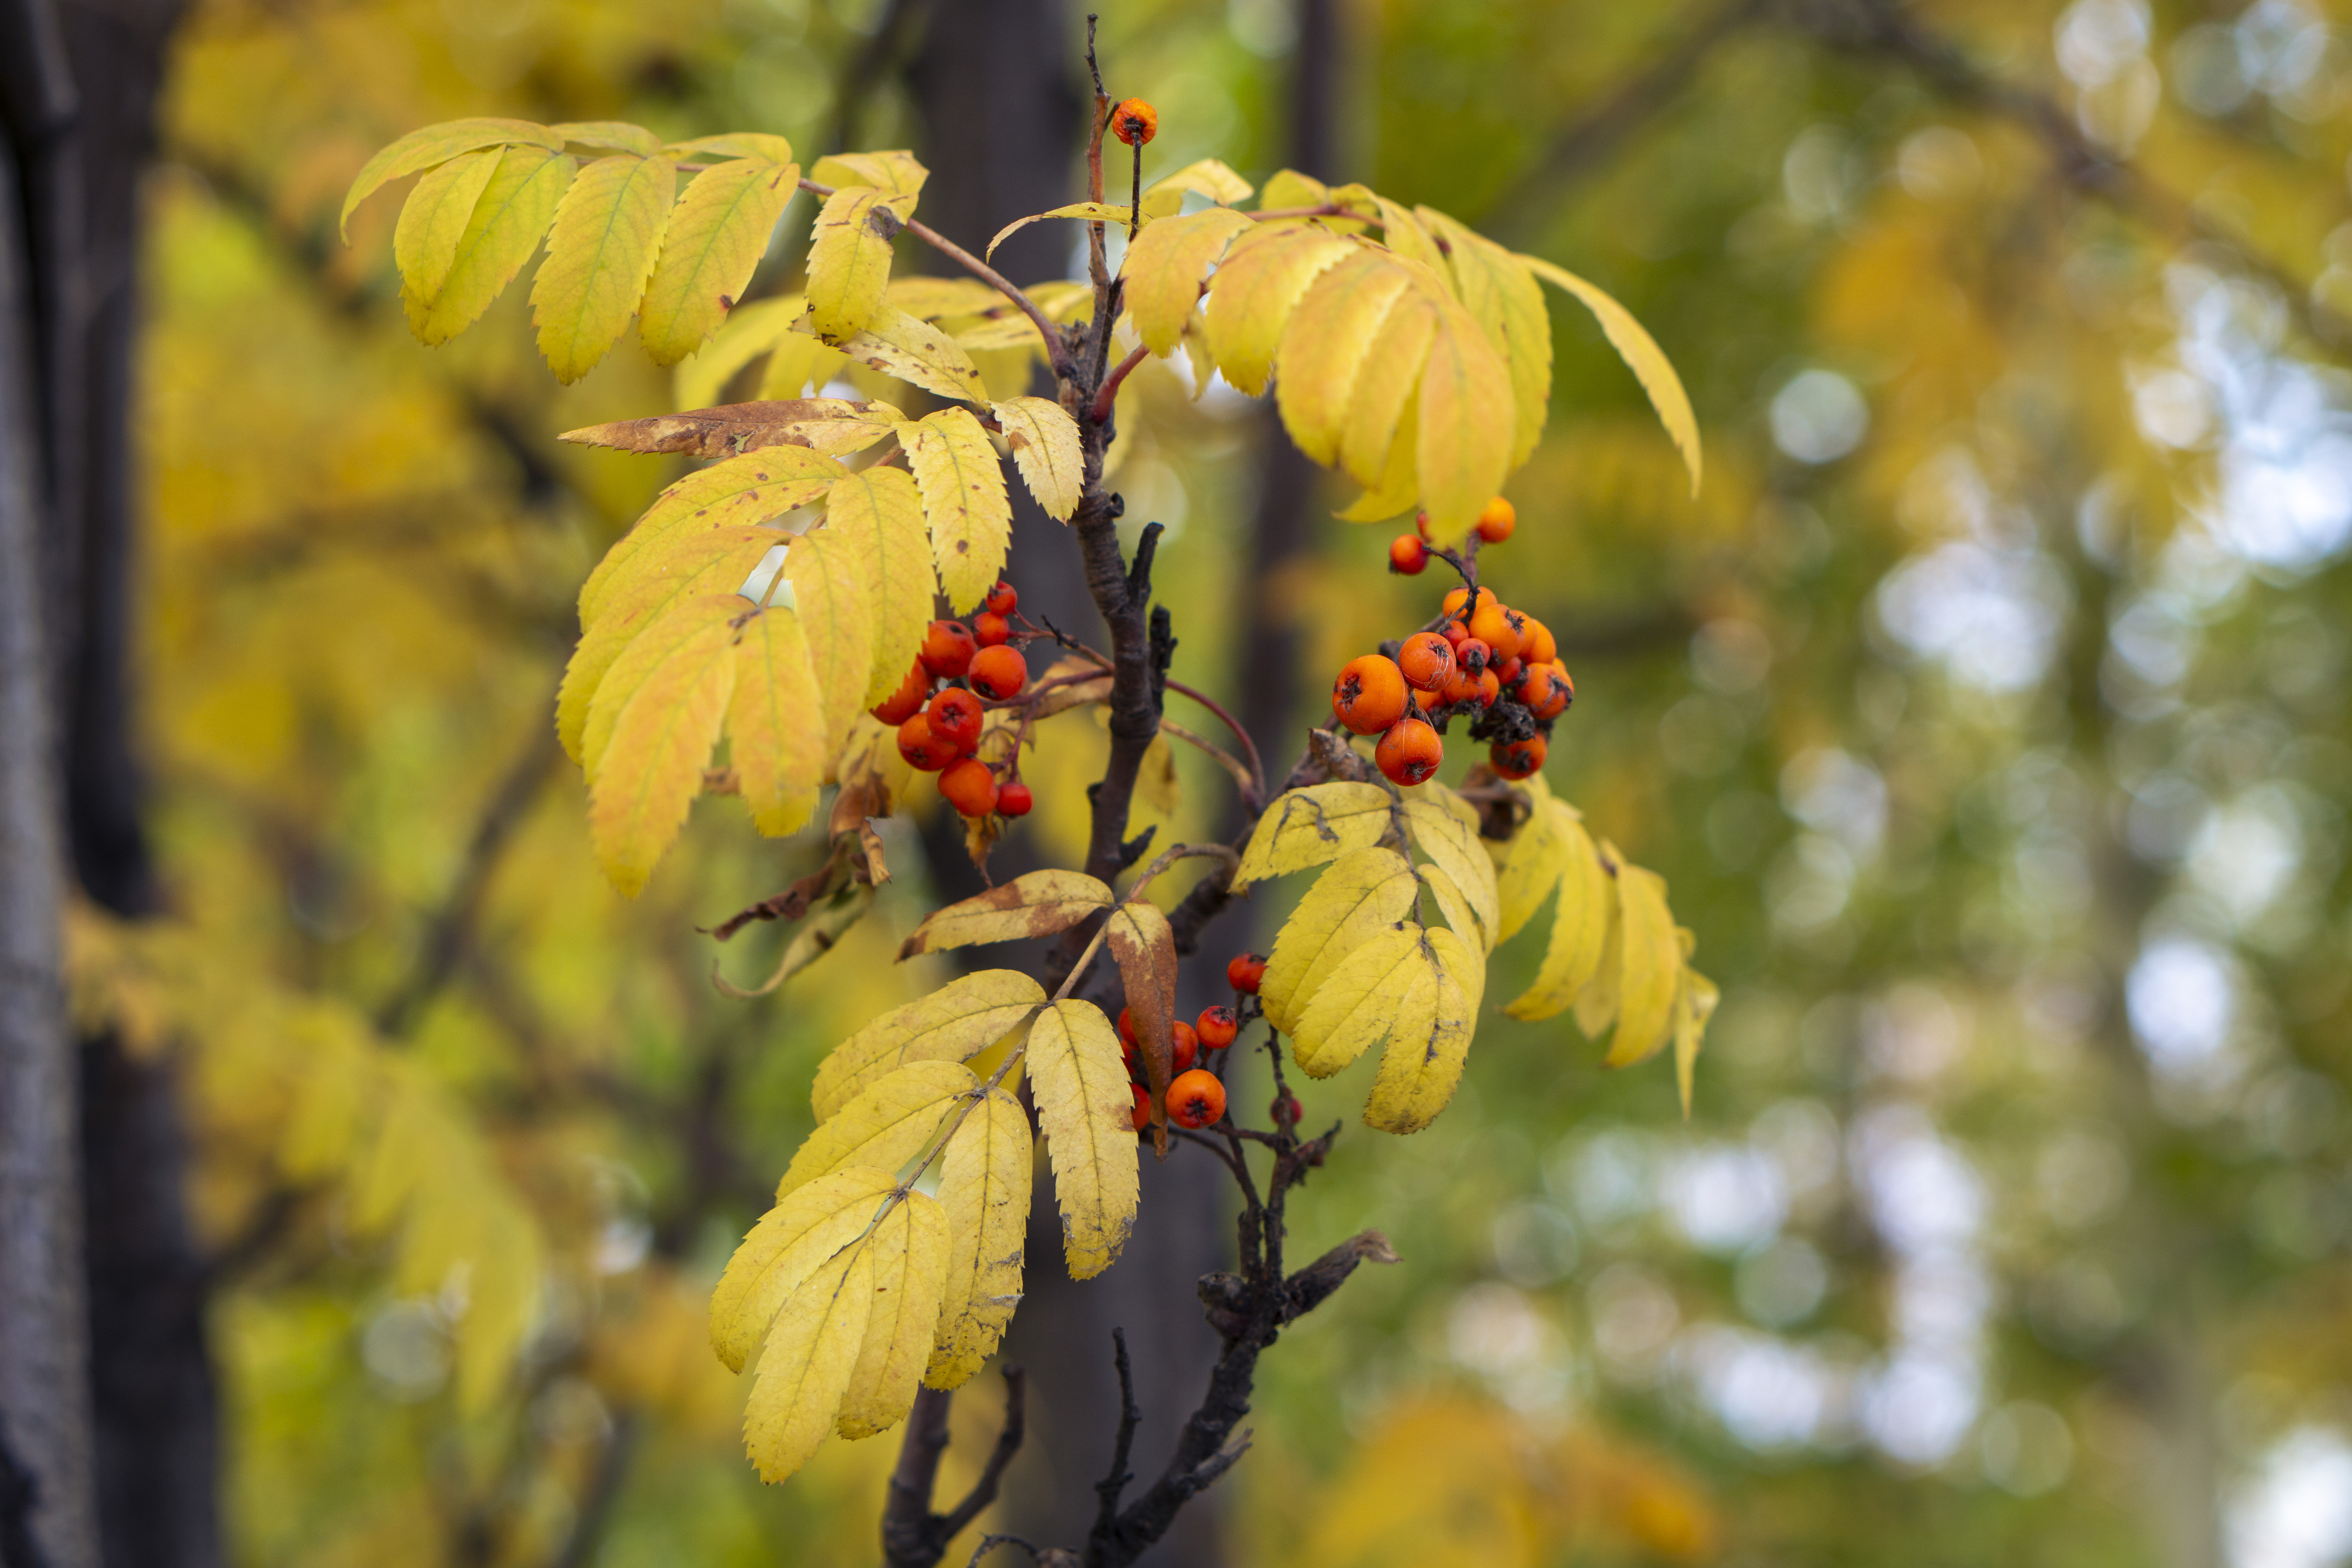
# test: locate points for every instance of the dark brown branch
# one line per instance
(991, 1475)
(912, 1535)
(1130, 1416)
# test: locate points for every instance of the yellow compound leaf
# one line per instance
(1086, 1110)
(1497, 289)
(1653, 967)
(757, 144)
(612, 136)
(917, 353)
(658, 713)
(910, 1272)
(1597, 1004)
(952, 1024)
(1378, 432)
(849, 260)
(806, 1365)
(432, 220)
(1452, 906)
(1403, 235)
(1423, 1064)
(752, 488)
(1364, 893)
(608, 230)
(1642, 355)
(1463, 446)
(1092, 212)
(437, 144)
(1580, 926)
(775, 723)
(800, 363)
(931, 298)
(984, 1188)
(1398, 485)
(747, 331)
(962, 484)
(714, 240)
(896, 174)
(1372, 990)
(784, 1249)
(829, 425)
(1694, 1007)
(1445, 827)
(885, 1124)
(1260, 279)
(1325, 346)
(1038, 904)
(879, 512)
(1044, 442)
(1209, 177)
(1312, 827)
(1164, 267)
(828, 581)
(1530, 869)
(1144, 946)
(506, 224)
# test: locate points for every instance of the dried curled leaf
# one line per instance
(1038, 904)
(824, 424)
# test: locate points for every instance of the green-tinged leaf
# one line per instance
(1323, 348)
(1364, 893)
(434, 218)
(962, 483)
(775, 723)
(651, 730)
(984, 1188)
(885, 1124)
(1375, 441)
(910, 1271)
(828, 575)
(1045, 443)
(712, 561)
(896, 174)
(1497, 289)
(1313, 825)
(1038, 904)
(1261, 279)
(757, 144)
(1653, 962)
(713, 243)
(952, 1024)
(1580, 926)
(782, 1250)
(1642, 355)
(1445, 827)
(1092, 212)
(1084, 1109)
(1694, 1005)
(1372, 990)
(819, 931)
(1209, 177)
(1403, 232)
(504, 229)
(881, 513)
(807, 1363)
(917, 353)
(1463, 444)
(755, 487)
(1165, 268)
(611, 135)
(1426, 1049)
(437, 144)
(608, 230)
(849, 260)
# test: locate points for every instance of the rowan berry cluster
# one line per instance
(1479, 659)
(1196, 1090)
(939, 707)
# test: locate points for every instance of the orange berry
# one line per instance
(1427, 661)
(1184, 1048)
(1142, 1114)
(1014, 799)
(1546, 690)
(907, 701)
(947, 647)
(1458, 606)
(924, 749)
(1127, 1027)
(1455, 634)
(998, 673)
(1471, 656)
(1489, 688)
(1002, 600)
(990, 630)
(1197, 1100)
(1407, 555)
(1496, 521)
(1499, 627)
(1410, 752)
(1370, 694)
(1516, 758)
(1537, 645)
(1217, 1027)
(1460, 691)
(1421, 523)
(954, 716)
(1511, 671)
(1244, 971)
(969, 787)
(1135, 122)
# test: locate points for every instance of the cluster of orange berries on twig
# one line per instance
(1196, 1093)
(1480, 659)
(940, 721)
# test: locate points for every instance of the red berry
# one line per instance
(1135, 122)
(1427, 661)
(947, 649)
(1408, 557)
(954, 716)
(1014, 799)
(1187, 1047)
(969, 787)
(1496, 522)
(1197, 1099)
(1516, 758)
(1127, 1027)
(1408, 753)
(1002, 600)
(990, 630)
(1142, 1106)
(1217, 1027)
(1472, 655)
(1370, 694)
(1245, 972)
(924, 748)
(998, 673)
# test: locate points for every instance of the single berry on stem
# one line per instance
(1426, 660)
(1370, 694)
(1217, 1027)
(1196, 1100)
(990, 629)
(969, 787)
(1496, 521)
(1286, 1110)
(1002, 600)
(998, 673)
(1244, 971)
(1408, 557)
(1408, 753)
(1135, 122)
(925, 749)
(1516, 758)
(954, 716)
(1014, 799)
(1184, 1046)
(947, 647)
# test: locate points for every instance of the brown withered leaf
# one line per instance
(869, 844)
(1144, 949)
(736, 428)
(1038, 904)
(1089, 683)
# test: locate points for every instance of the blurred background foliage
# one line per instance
(1986, 714)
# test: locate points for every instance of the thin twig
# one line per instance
(1130, 1416)
(1108, 395)
(991, 1475)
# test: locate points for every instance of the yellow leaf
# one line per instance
(802, 362)
(1499, 291)
(505, 226)
(1426, 1049)
(806, 1365)
(749, 331)
(1310, 827)
(1398, 485)
(608, 229)
(828, 582)
(714, 240)
(1038, 904)
(1044, 442)
(755, 487)
(775, 723)
(931, 298)
(1402, 234)
(1163, 268)
(951, 1025)
(658, 710)
(1209, 177)
(1325, 346)
(970, 517)
(1653, 960)
(1530, 869)
(757, 144)
(885, 1124)
(1261, 278)
(1365, 892)
(1694, 1005)
(789, 1242)
(849, 260)
(1580, 926)
(612, 136)
(437, 144)
(434, 218)
(896, 174)
(1452, 906)
(984, 1188)
(1445, 828)
(1642, 355)
(917, 353)
(881, 512)
(1462, 446)
(1597, 1004)
(1092, 212)
(1376, 988)
(910, 1270)
(1375, 434)
(1084, 1109)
